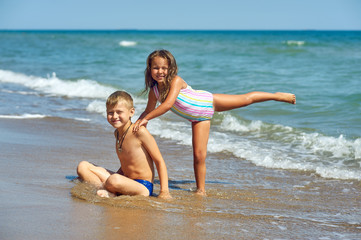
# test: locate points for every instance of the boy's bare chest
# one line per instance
(131, 151)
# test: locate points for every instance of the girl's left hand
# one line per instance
(139, 123)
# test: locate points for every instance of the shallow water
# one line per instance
(69, 75)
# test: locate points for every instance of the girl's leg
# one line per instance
(225, 102)
(200, 135)
(93, 174)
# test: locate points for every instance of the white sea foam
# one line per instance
(295, 43)
(54, 86)
(83, 119)
(180, 132)
(127, 43)
(315, 143)
(24, 116)
(36, 116)
(334, 147)
(20, 92)
(97, 106)
(231, 123)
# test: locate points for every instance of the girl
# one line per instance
(195, 105)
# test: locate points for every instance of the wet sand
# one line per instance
(40, 201)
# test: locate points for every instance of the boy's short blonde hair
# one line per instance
(120, 96)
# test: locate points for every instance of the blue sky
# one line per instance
(182, 14)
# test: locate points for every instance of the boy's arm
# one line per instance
(151, 146)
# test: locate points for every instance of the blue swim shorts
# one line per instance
(147, 184)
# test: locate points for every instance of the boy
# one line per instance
(136, 152)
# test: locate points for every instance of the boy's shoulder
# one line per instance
(143, 134)
(141, 131)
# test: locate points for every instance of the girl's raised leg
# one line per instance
(200, 135)
(225, 102)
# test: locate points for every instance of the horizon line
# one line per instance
(180, 30)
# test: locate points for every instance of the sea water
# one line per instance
(69, 74)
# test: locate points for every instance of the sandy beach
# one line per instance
(41, 201)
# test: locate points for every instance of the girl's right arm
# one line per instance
(152, 102)
(152, 112)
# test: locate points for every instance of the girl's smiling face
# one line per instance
(159, 69)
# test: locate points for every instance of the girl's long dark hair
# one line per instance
(172, 72)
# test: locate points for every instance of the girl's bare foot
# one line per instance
(105, 194)
(201, 192)
(286, 97)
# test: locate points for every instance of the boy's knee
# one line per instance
(112, 182)
(82, 166)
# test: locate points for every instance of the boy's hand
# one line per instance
(164, 195)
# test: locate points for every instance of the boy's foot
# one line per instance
(105, 194)
(286, 97)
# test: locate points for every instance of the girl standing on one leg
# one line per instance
(196, 106)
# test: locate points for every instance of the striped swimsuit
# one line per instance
(193, 105)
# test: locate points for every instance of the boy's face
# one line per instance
(159, 69)
(119, 115)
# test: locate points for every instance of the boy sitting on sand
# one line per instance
(136, 152)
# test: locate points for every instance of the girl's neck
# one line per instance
(161, 86)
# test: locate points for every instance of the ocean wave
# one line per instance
(97, 107)
(127, 43)
(52, 85)
(38, 116)
(316, 143)
(20, 92)
(82, 119)
(273, 145)
(24, 116)
(331, 146)
(294, 43)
